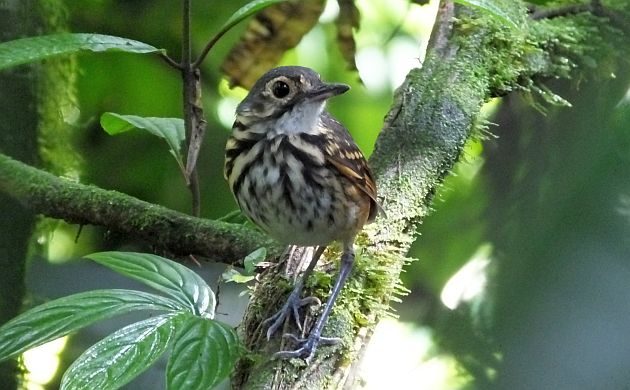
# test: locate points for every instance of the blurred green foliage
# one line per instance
(551, 198)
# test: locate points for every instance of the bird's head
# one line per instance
(293, 95)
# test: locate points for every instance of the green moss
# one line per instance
(518, 59)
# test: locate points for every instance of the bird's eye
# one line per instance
(280, 89)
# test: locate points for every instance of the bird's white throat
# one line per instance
(303, 118)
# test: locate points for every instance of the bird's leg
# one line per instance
(309, 345)
(294, 301)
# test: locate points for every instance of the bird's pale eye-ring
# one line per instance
(280, 89)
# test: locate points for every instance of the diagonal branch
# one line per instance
(193, 111)
(167, 229)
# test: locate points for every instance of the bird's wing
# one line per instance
(343, 154)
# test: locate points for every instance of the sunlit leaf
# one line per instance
(254, 258)
(59, 317)
(25, 50)
(121, 356)
(170, 129)
(164, 275)
(204, 353)
(490, 8)
(232, 275)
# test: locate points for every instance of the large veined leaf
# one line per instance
(25, 50)
(167, 276)
(204, 353)
(121, 356)
(61, 316)
(490, 8)
(170, 129)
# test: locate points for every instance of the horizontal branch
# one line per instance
(167, 229)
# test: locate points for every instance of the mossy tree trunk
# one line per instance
(18, 139)
(37, 103)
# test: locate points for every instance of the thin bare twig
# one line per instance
(193, 112)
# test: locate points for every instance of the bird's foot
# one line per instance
(291, 309)
(306, 347)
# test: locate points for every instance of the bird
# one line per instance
(296, 172)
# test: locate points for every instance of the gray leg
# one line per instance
(294, 302)
(309, 345)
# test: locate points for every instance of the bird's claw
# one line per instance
(306, 346)
(290, 309)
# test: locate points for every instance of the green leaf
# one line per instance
(167, 276)
(121, 356)
(170, 129)
(253, 259)
(232, 275)
(246, 11)
(204, 353)
(25, 50)
(489, 7)
(61, 316)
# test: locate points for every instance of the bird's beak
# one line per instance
(326, 91)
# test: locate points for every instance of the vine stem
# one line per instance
(193, 113)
